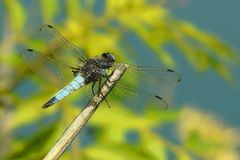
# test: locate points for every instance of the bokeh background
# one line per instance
(199, 39)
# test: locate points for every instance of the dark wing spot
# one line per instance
(158, 97)
(50, 26)
(30, 50)
(170, 70)
(165, 103)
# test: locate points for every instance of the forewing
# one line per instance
(151, 75)
(58, 74)
(61, 49)
(151, 84)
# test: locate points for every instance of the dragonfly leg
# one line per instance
(107, 79)
(105, 99)
(99, 91)
(75, 71)
(93, 85)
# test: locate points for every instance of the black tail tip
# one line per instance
(50, 102)
(46, 105)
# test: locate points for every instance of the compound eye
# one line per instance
(105, 55)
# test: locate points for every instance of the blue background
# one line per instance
(208, 90)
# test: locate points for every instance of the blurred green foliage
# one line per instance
(27, 132)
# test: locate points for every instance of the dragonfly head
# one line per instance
(108, 59)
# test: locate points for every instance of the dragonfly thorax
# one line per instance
(96, 68)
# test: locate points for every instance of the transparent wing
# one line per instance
(140, 98)
(161, 76)
(48, 68)
(61, 49)
(152, 85)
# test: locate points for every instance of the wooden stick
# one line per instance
(82, 118)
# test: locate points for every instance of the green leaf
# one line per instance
(49, 10)
(15, 14)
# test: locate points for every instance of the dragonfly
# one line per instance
(67, 66)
